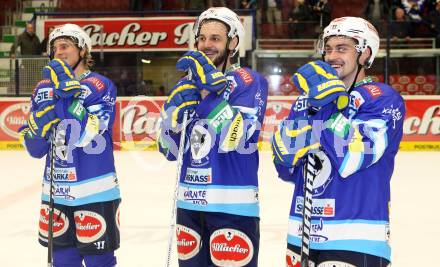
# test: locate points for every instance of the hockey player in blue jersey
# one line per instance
(349, 128)
(217, 203)
(80, 104)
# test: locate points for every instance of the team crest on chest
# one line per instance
(201, 143)
(324, 174)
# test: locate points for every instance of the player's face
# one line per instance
(66, 50)
(212, 41)
(342, 56)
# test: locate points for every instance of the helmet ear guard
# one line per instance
(362, 31)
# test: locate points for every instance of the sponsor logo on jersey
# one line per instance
(393, 113)
(96, 82)
(198, 176)
(90, 226)
(230, 247)
(231, 84)
(315, 229)
(356, 100)
(373, 90)
(77, 110)
(85, 92)
(63, 191)
(109, 99)
(320, 207)
(339, 125)
(292, 259)
(188, 242)
(43, 94)
(245, 75)
(62, 174)
(195, 196)
(223, 112)
(233, 136)
(60, 222)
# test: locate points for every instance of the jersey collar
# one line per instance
(232, 68)
(84, 75)
(365, 80)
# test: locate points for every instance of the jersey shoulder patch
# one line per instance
(374, 90)
(95, 82)
(245, 75)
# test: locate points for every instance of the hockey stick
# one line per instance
(51, 201)
(309, 172)
(176, 187)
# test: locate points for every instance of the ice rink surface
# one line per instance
(147, 183)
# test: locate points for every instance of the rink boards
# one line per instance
(137, 122)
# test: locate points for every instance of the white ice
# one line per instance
(147, 183)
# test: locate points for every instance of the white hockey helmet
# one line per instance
(227, 16)
(73, 31)
(357, 28)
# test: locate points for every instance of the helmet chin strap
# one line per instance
(359, 67)
(80, 58)
(227, 52)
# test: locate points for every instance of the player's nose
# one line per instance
(331, 54)
(58, 53)
(205, 43)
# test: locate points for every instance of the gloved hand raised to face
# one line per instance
(42, 120)
(293, 140)
(203, 71)
(63, 78)
(184, 96)
(321, 84)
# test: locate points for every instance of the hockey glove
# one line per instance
(184, 96)
(321, 84)
(41, 121)
(63, 78)
(203, 71)
(293, 140)
(72, 109)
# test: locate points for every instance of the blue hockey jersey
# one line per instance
(84, 165)
(351, 192)
(220, 164)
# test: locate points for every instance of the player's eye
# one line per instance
(341, 49)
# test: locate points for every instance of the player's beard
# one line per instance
(220, 58)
